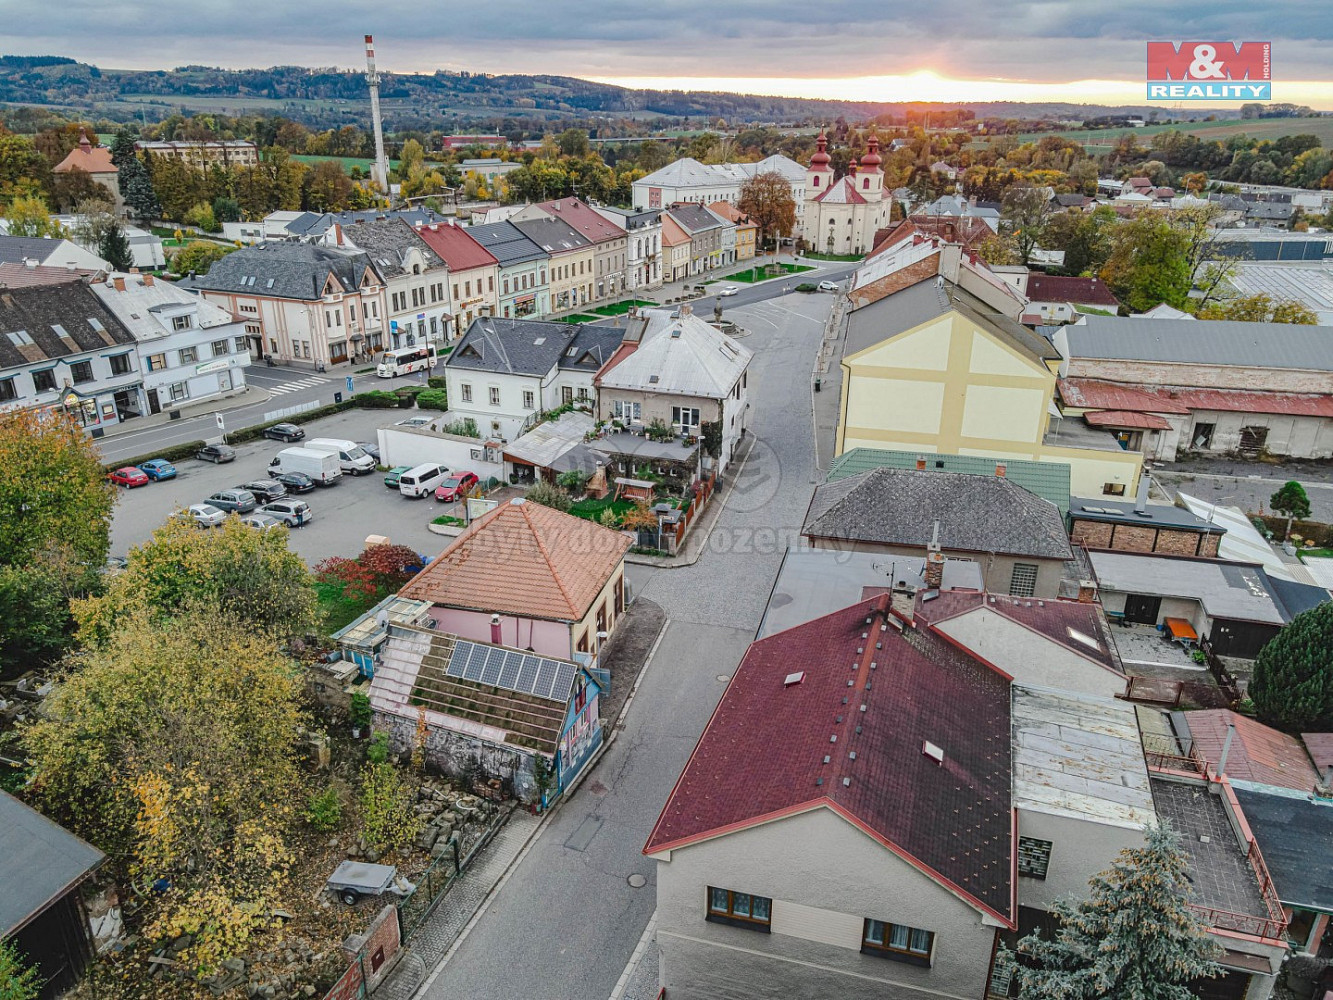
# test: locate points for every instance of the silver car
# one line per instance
(292, 513)
(203, 514)
(261, 522)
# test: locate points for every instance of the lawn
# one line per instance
(755, 274)
(348, 162)
(620, 308)
(1101, 140)
(1315, 553)
(592, 509)
(578, 318)
(833, 256)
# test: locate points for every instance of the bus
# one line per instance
(406, 359)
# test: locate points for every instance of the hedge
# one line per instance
(437, 382)
(375, 399)
(432, 399)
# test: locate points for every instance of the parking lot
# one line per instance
(343, 514)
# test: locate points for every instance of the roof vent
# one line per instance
(795, 678)
(517, 501)
(675, 333)
(846, 782)
(933, 752)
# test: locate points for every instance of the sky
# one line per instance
(880, 50)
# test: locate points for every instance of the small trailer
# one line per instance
(354, 879)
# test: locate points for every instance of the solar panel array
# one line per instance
(526, 673)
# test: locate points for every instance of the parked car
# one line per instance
(322, 467)
(296, 482)
(130, 476)
(203, 514)
(241, 501)
(261, 522)
(455, 487)
(265, 490)
(284, 432)
(351, 457)
(422, 480)
(292, 513)
(727, 290)
(828, 286)
(394, 474)
(370, 448)
(158, 469)
(216, 453)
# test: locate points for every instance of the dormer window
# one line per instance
(180, 322)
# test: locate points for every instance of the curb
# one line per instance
(635, 958)
(540, 828)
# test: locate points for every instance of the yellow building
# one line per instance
(747, 231)
(934, 368)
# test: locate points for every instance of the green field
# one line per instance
(348, 162)
(619, 308)
(755, 274)
(1102, 140)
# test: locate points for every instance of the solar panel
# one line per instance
(509, 672)
(545, 677)
(494, 661)
(564, 680)
(527, 674)
(511, 669)
(475, 663)
(459, 659)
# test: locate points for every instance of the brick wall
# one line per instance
(1142, 538)
(1092, 534)
(1210, 376)
(372, 956)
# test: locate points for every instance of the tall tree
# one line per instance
(1211, 262)
(18, 980)
(1260, 309)
(1133, 938)
(1291, 500)
(767, 199)
(73, 186)
(29, 216)
(23, 170)
(114, 248)
(573, 142)
(327, 187)
(1025, 213)
(1147, 264)
(93, 217)
(1292, 687)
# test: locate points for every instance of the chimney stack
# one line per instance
(686, 309)
(921, 463)
(495, 630)
(1001, 470)
(934, 575)
(1145, 484)
(119, 282)
(148, 280)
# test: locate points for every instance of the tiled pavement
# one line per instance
(458, 906)
(1220, 874)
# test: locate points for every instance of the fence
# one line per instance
(373, 955)
(291, 411)
(676, 534)
(416, 906)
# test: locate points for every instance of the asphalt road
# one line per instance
(566, 921)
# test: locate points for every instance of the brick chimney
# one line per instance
(148, 281)
(921, 463)
(119, 282)
(1001, 470)
(934, 575)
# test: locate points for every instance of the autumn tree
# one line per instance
(1260, 308)
(1147, 264)
(1133, 938)
(172, 748)
(767, 199)
(92, 218)
(197, 257)
(73, 186)
(18, 980)
(28, 215)
(1211, 262)
(1025, 213)
(24, 172)
(327, 187)
(252, 574)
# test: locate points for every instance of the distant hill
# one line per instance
(56, 80)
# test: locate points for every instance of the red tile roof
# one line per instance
(842, 192)
(762, 754)
(1320, 748)
(966, 231)
(459, 250)
(586, 221)
(1126, 418)
(1095, 394)
(14, 275)
(1052, 619)
(88, 158)
(526, 560)
(1082, 291)
(1258, 753)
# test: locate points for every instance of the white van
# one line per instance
(321, 466)
(350, 454)
(422, 480)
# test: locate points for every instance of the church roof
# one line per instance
(842, 192)
(88, 158)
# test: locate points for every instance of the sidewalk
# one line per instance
(249, 396)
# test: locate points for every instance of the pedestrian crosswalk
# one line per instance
(296, 385)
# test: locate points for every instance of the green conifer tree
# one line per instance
(1292, 687)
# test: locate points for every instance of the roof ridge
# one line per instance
(546, 555)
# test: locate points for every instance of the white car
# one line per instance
(727, 290)
(828, 286)
(261, 522)
(203, 514)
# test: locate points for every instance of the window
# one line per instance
(189, 355)
(566, 395)
(1203, 436)
(249, 309)
(120, 364)
(625, 410)
(81, 371)
(490, 283)
(529, 401)
(505, 285)
(467, 287)
(7, 390)
(44, 380)
(685, 417)
(898, 942)
(1113, 489)
(1023, 580)
(1253, 438)
(180, 322)
(740, 909)
(242, 344)
(179, 391)
(220, 348)
(1034, 857)
(583, 393)
(272, 345)
(495, 396)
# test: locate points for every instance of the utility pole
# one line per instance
(381, 167)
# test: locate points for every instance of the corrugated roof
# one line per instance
(41, 861)
(774, 749)
(902, 507)
(1115, 396)
(1049, 480)
(1226, 590)
(1123, 418)
(459, 250)
(1209, 342)
(526, 560)
(1258, 753)
(685, 356)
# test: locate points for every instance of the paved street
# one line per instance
(566, 921)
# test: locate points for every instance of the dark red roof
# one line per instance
(763, 753)
(1320, 748)
(585, 220)
(1258, 753)
(966, 231)
(1083, 291)
(1094, 394)
(1127, 418)
(1050, 618)
(459, 250)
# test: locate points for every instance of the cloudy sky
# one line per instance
(857, 49)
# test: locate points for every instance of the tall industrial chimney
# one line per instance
(381, 168)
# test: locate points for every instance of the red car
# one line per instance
(455, 487)
(129, 477)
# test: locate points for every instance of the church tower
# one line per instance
(870, 176)
(819, 175)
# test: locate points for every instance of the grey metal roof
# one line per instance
(33, 317)
(893, 314)
(507, 243)
(17, 249)
(1155, 515)
(286, 271)
(387, 242)
(634, 218)
(1049, 480)
(512, 346)
(41, 861)
(1216, 342)
(974, 513)
(553, 235)
(1295, 834)
(1225, 589)
(695, 218)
